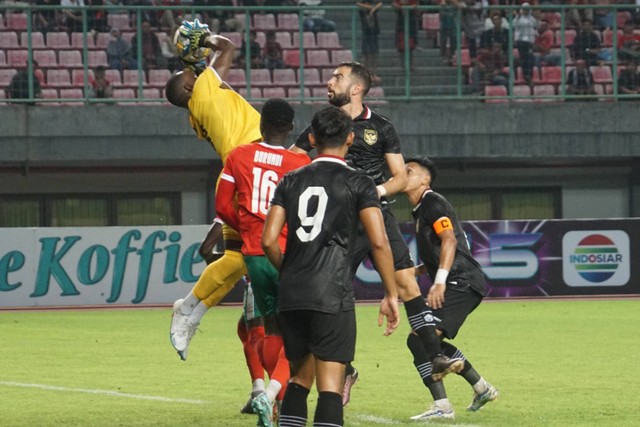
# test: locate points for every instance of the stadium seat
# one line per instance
(3, 59)
(321, 92)
(308, 40)
(119, 20)
(291, 57)
(6, 74)
(49, 93)
(45, 58)
(288, 21)
(284, 38)
(77, 77)
(130, 78)
(37, 40)
(58, 40)
(318, 58)
(97, 57)
(77, 41)
(71, 93)
(114, 77)
(17, 21)
(294, 92)
(328, 40)
(465, 58)
(2, 26)
(431, 21)
(341, 55)
(58, 78)
(284, 77)
(544, 90)
(159, 78)
(256, 92)
(151, 92)
(274, 92)
(235, 37)
(9, 40)
(260, 77)
(601, 74)
(311, 77)
(569, 35)
(522, 90)
(551, 75)
(553, 18)
(236, 78)
(607, 37)
(490, 91)
(326, 74)
(567, 54)
(102, 40)
(70, 58)
(124, 93)
(264, 22)
(17, 58)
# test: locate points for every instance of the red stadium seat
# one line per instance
(159, 78)
(102, 40)
(6, 74)
(49, 93)
(114, 77)
(284, 38)
(294, 92)
(292, 58)
(284, 77)
(601, 74)
(328, 40)
(321, 92)
(261, 77)
(236, 78)
(522, 90)
(288, 21)
(17, 21)
(341, 55)
(77, 77)
(151, 92)
(431, 21)
(124, 93)
(45, 58)
(308, 40)
(119, 20)
(544, 90)
(551, 75)
(37, 40)
(256, 92)
(3, 59)
(569, 35)
(130, 78)
(235, 37)
(553, 18)
(327, 74)
(58, 78)
(264, 22)
(491, 91)
(17, 58)
(77, 41)
(274, 92)
(97, 57)
(2, 27)
(9, 40)
(71, 93)
(311, 77)
(70, 58)
(318, 58)
(465, 58)
(58, 40)
(607, 37)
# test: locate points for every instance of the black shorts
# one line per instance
(401, 255)
(458, 304)
(328, 336)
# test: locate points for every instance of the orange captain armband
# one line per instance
(442, 224)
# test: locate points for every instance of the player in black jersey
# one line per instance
(376, 145)
(322, 205)
(458, 283)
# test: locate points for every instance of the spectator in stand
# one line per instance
(255, 52)
(219, 20)
(97, 17)
(574, 17)
(401, 7)
(151, 52)
(273, 56)
(314, 19)
(580, 80)
(119, 54)
(586, 44)
(99, 86)
(525, 26)
(473, 24)
(488, 68)
(603, 17)
(45, 20)
(629, 81)
(168, 17)
(19, 86)
(628, 43)
(542, 47)
(489, 21)
(72, 17)
(169, 51)
(448, 37)
(370, 31)
(497, 34)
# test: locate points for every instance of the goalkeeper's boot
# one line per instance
(435, 412)
(479, 400)
(181, 330)
(442, 366)
(247, 409)
(261, 406)
(349, 381)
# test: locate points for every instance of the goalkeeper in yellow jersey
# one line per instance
(221, 116)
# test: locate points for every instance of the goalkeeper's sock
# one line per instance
(198, 313)
(468, 372)
(250, 353)
(189, 303)
(423, 364)
(256, 339)
(422, 322)
(281, 373)
(293, 412)
(329, 410)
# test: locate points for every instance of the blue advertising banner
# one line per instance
(542, 258)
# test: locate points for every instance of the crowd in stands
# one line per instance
(533, 34)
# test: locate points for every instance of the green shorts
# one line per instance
(264, 282)
(250, 309)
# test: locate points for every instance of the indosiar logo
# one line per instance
(595, 258)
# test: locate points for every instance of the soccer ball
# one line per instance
(182, 41)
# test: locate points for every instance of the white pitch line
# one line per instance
(104, 392)
(388, 421)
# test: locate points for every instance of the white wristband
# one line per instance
(441, 276)
(381, 190)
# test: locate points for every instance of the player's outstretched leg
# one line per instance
(350, 378)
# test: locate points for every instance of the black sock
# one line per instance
(329, 409)
(423, 365)
(294, 406)
(468, 372)
(422, 322)
(349, 370)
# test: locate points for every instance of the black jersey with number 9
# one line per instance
(322, 202)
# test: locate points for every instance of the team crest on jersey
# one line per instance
(370, 136)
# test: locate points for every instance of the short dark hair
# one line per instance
(277, 113)
(426, 163)
(360, 72)
(330, 127)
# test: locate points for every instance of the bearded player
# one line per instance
(221, 116)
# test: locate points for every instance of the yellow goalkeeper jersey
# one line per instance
(222, 116)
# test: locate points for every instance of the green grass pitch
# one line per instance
(556, 363)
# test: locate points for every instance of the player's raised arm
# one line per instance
(373, 224)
